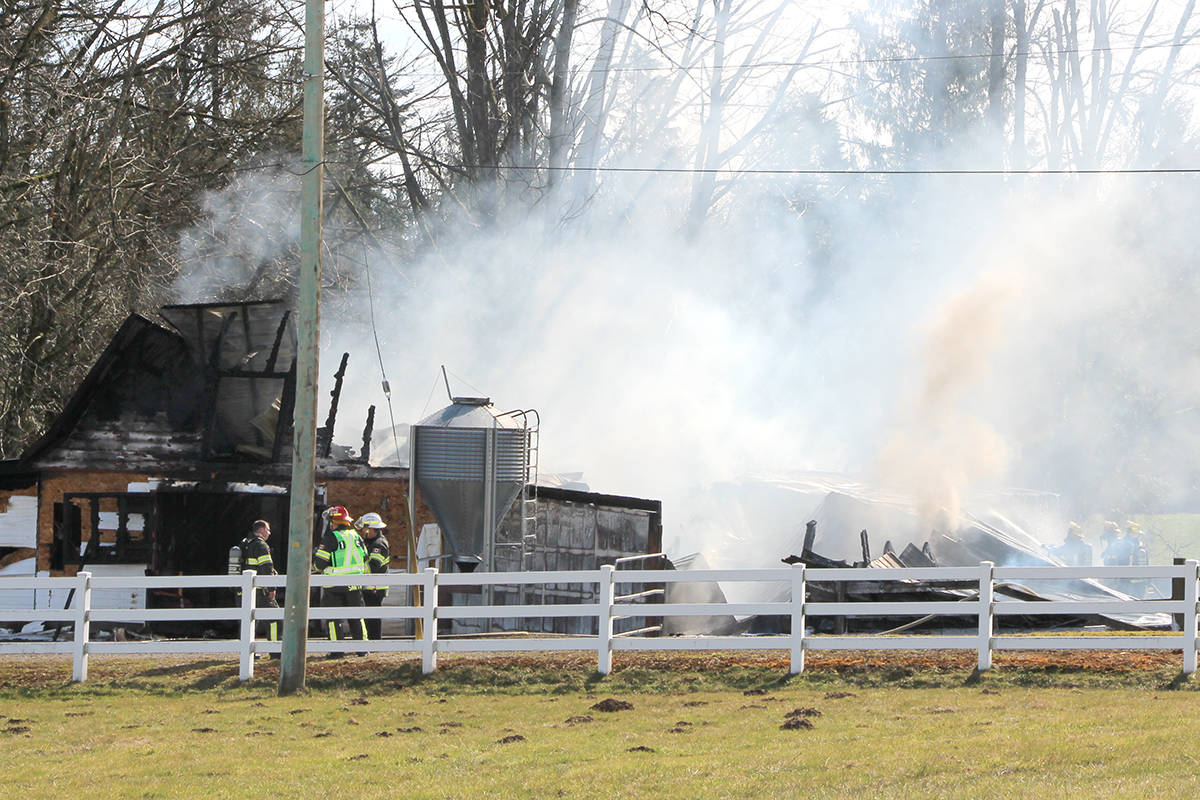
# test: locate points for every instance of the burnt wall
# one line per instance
(56, 484)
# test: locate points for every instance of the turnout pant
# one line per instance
(338, 596)
(264, 628)
(374, 598)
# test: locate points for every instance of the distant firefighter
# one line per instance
(379, 556)
(341, 552)
(1074, 551)
(1118, 551)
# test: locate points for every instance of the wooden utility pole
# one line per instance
(304, 436)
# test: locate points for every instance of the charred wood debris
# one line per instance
(908, 590)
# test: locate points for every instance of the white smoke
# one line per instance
(244, 228)
(805, 327)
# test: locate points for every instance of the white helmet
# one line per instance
(370, 520)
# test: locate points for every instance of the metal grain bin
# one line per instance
(470, 463)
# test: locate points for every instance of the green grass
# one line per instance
(374, 727)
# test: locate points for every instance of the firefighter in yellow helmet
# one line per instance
(341, 552)
(379, 558)
(1074, 551)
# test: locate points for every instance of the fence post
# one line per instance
(798, 591)
(83, 608)
(604, 620)
(1189, 617)
(429, 621)
(247, 638)
(985, 615)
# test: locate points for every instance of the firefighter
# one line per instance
(256, 555)
(1139, 556)
(379, 557)
(1116, 551)
(341, 552)
(1074, 551)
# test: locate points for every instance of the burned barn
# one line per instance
(180, 436)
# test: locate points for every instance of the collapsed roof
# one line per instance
(844, 514)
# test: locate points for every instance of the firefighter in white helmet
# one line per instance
(379, 558)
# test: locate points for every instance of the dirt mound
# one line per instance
(838, 695)
(796, 724)
(641, 748)
(513, 737)
(578, 718)
(612, 704)
(802, 712)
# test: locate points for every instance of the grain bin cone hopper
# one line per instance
(471, 463)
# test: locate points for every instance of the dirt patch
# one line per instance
(360, 701)
(578, 718)
(15, 729)
(610, 704)
(78, 714)
(449, 724)
(413, 729)
(839, 695)
(802, 712)
(204, 730)
(796, 724)
(300, 710)
(990, 691)
(322, 734)
(358, 757)
(695, 703)
(512, 737)
(641, 748)
(749, 706)
(383, 733)
(754, 692)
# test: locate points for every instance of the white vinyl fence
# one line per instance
(609, 607)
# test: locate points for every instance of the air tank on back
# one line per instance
(470, 463)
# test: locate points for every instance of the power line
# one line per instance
(733, 171)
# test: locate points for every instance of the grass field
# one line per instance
(893, 725)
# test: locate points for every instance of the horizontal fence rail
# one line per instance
(606, 606)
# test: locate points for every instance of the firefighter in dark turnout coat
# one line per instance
(379, 556)
(256, 555)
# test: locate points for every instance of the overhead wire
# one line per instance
(819, 171)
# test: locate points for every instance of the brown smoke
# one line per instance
(939, 451)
